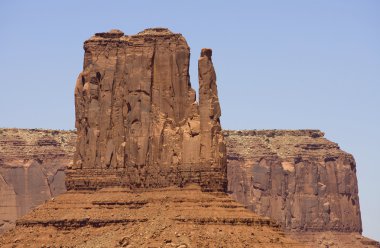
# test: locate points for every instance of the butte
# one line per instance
(150, 162)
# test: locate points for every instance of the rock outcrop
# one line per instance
(32, 164)
(165, 217)
(298, 178)
(137, 118)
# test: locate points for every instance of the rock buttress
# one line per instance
(299, 178)
(137, 118)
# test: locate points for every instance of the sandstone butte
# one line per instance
(137, 118)
(151, 167)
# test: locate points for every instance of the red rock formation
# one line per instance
(165, 217)
(139, 127)
(211, 143)
(298, 178)
(240, 153)
(32, 164)
(138, 121)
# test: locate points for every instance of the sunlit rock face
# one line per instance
(138, 122)
(297, 177)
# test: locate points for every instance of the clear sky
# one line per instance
(280, 65)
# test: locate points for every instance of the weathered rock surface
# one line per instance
(298, 178)
(313, 239)
(137, 118)
(32, 164)
(168, 217)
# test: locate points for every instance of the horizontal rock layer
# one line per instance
(298, 178)
(171, 217)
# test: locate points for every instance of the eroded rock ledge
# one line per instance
(165, 217)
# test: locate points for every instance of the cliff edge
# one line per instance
(297, 177)
(32, 169)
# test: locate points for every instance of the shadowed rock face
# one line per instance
(298, 178)
(137, 118)
(32, 164)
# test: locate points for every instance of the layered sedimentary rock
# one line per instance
(243, 143)
(298, 178)
(32, 164)
(166, 217)
(137, 118)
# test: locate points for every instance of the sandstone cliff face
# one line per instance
(32, 164)
(298, 178)
(137, 118)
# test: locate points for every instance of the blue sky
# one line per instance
(280, 64)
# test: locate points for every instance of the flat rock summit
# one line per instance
(149, 165)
